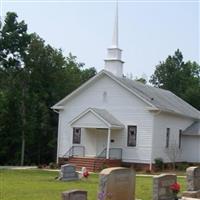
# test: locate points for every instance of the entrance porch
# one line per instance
(100, 137)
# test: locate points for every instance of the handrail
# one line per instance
(113, 154)
(73, 150)
(101, 154)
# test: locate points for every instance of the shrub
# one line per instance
(53, 165)
(182, 166)
(159, 163)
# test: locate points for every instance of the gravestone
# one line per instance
(193, 178)
(187, 198)
(68, 173)
(117, 183)
(74, 195)
(193, 182)
(161, 186)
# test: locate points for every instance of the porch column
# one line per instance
(108, 144)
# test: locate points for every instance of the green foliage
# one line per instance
(33, 77)
(53, 165)
(181, 78)
(142, 80)
(159, 164)
(182, 166)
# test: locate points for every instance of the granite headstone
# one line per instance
(117, 183)
(161, 186)
(193, 182)
(68, 173)
(74, 195)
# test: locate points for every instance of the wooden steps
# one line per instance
(92, 164)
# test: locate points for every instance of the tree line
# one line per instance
(34, 76)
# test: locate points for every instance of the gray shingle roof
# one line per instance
(194, 129)
(160, 98)
(107, 117)
(164, 100)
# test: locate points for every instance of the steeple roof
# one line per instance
(113, 62)
(115, 38)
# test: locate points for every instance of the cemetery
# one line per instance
(105, 121)
(117, 183)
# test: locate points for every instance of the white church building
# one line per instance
(115, 118)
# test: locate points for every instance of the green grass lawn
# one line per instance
(41, 185)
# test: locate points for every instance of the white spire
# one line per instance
(113, 62)
(115, 31)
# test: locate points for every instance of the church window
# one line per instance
(76, 135)
(132, 135)
(179, 139)
(167, 137)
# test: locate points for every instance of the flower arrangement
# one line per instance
(85, 174)
(175, 187)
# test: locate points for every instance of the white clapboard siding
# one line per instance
(191, 148)
(162, 121)
(128, 109)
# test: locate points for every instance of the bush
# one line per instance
(53, 165)
(182, 166)
(159, 163)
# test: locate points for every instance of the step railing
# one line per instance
(114, 153)
(75, 151)
(102, 154)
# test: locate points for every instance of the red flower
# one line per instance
(85, 174)
(175, 187)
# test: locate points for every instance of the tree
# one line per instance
(33, 77)
(14, 41)
(174, 153)
(181, 78)
(141, 80)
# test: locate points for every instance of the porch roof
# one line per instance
(193, 129)
(96, 118)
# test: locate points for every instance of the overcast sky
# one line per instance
(149, 31)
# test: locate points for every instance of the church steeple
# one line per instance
(116, 29)
(113, 62)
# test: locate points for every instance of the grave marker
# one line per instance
(193, 182)
(161, 187)
(74, 195)
(68, 173)
(117, 183)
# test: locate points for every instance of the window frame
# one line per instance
(167, 138)
(76, 139)
(180, 138)
(128, 136)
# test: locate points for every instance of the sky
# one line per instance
(149, 30)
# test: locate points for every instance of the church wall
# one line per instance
(130, 110)
(191, 150)
(162, 121)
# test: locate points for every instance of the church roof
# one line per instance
(103, 115)
(156, 98)
(162, 99)
(194, 129)
(107, 117)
